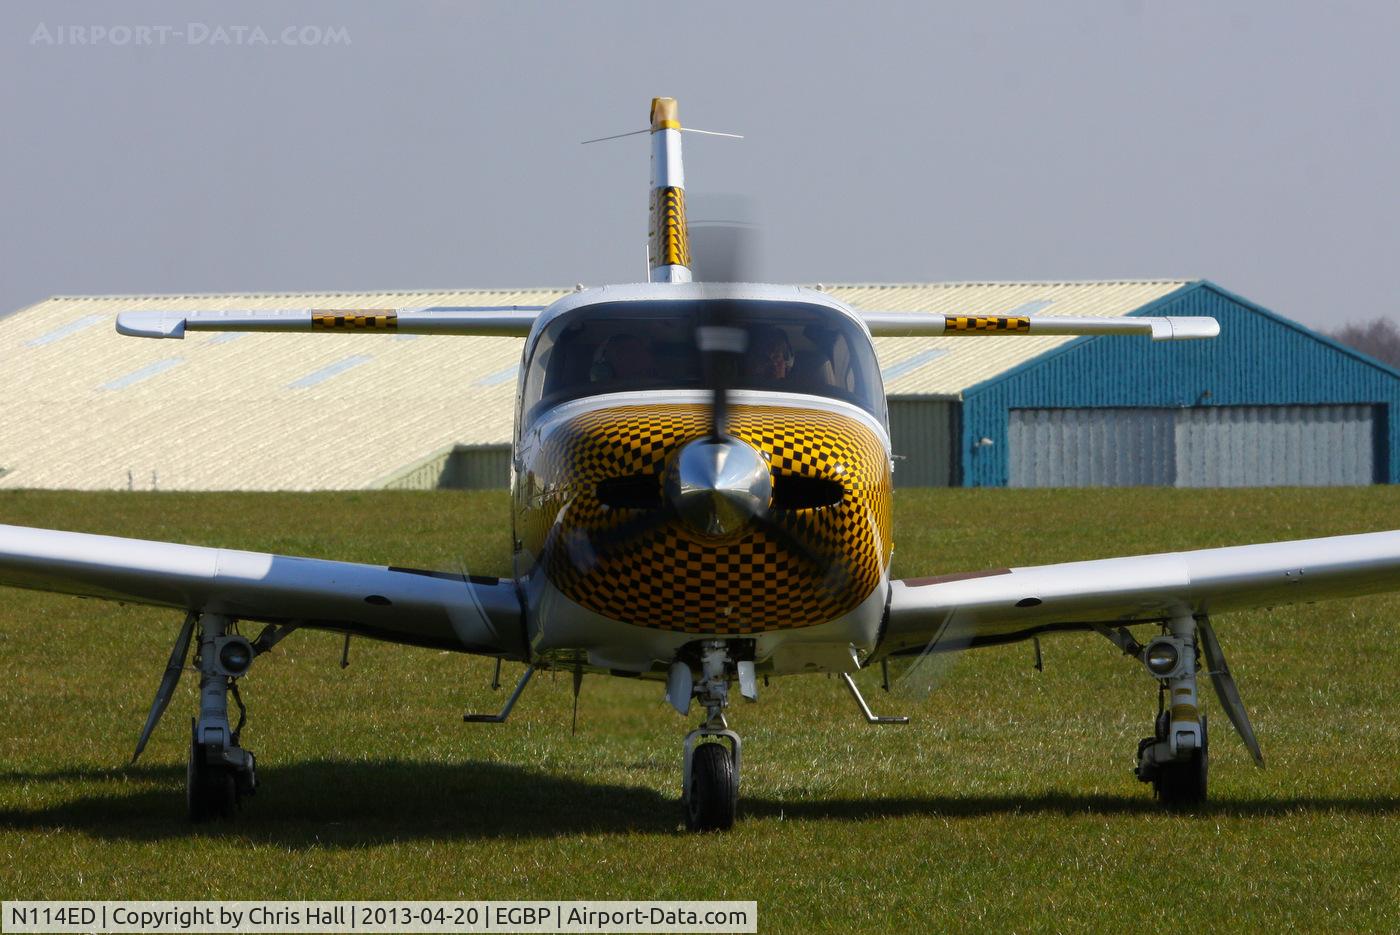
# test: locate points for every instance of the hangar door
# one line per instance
(1207, 446)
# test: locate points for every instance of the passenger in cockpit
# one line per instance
(769, 357)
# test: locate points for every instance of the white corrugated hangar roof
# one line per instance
(89, 409)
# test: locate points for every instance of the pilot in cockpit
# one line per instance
(623, 357)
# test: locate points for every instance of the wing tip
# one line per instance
(151, 325)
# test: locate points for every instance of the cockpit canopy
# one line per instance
(618, 347)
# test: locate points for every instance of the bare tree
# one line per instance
(1379, 338)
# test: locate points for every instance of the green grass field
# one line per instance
(1007, 805)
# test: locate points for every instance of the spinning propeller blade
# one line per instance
(726, 239)
(926, 671)
(721, 343)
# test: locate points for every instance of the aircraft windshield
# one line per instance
(620, 347)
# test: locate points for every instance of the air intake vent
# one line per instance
(798, 492)
(633, 492)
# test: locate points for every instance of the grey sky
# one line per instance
(1255, 144)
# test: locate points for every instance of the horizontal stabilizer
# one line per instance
(923, 324)
(486, 320)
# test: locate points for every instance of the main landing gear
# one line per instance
(218, 772)
(1176, 758)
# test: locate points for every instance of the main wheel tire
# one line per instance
(714, 792)
(1184, 784)
(210, 791)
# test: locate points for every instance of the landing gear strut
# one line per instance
(713, 752)
(220, 772)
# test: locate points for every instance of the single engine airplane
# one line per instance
(701, 497)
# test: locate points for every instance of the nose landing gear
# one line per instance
(711, 795)
(713, 752)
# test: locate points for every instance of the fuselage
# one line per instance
(611, 391)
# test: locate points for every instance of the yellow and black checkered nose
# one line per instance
(820, 551)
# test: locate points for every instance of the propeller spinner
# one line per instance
(718, 485)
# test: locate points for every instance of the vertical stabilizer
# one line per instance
(669, 239)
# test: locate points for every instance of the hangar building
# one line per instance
(1268, 402)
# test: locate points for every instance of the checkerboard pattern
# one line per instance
(956, 323)
(640, 567)
(372, 318)
(670, 241)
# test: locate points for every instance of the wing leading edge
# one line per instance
(1003, 605)
(402, 605)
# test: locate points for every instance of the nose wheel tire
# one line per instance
(210, 791)
(1183, 784)
(714, 789)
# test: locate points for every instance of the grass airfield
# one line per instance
(1008, 804)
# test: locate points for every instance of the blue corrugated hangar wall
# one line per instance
(1267, 398)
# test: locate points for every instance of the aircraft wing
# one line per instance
(1006, 604)
(402, 605)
